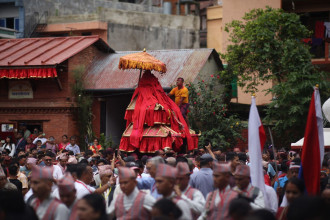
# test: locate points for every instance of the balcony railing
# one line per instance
(319, 49)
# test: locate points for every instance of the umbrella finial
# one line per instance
(144, 50)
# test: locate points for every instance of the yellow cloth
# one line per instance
(180, 93)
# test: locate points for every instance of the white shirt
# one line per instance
(259, 201)
(28, 195)
(216, 202)
(43, 140)
(57, 172)
(62, 212)
(184, 206)
(82, 189)
(148, 201)
(272, 199)
(11, 148)
(195, 170)
(197, 203)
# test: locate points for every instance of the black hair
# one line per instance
(298, 183)
(12, 204)
(296, 161)
(308, 207)
(139, 163)
(11, 140)
(168, 208)
(20, 157)
(71, 168)
(65, 135)
(261, 214)
(81, 168)
(50, 154)
(102, 161)
(230, 156)
(181, 159)
(89, 153)
(240, 207)
(13, 169)
(242, 156)
(144, 159)
(70, 153)
(157, 153)
(181, 79)
(284, 167)
(84, 161)
(73, 137)
(97, 202)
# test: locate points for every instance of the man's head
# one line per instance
(233, 158)
(165, 179)
(22, 127)
(22, 160)
(160, 153)
(242, 176)
(19, 135)
(206, 161)
(41, 181)
(105, 173)
(13, 170)
(152, 164)
(85, 173)
(179, 82)
(221, 175)
(294, 170)
(63, 159)
(67, 190)
(127, 180)
(51, 140)
(48, 158)
(72, 140)
(183, 175)
(216, 151)
(30, 162)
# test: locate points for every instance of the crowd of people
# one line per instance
(43, 179)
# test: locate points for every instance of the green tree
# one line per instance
(84, 103)
(209, 113)
(266, 46)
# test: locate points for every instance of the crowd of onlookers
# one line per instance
(93, 183)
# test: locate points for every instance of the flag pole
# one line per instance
(273, 147)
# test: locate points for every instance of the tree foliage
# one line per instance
(84, 103)
(209, 113)
(266, 46)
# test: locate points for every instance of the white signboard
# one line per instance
(20, 90)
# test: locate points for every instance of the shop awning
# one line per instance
(28, 73)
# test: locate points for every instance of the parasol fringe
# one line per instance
(134, 64)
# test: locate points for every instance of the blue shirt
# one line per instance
(75, 149)
(280, 181)
(203, 181)
(148, 183)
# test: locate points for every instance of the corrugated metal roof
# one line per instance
(187, 63)
(44, 51)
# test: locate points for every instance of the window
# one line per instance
(11, 23)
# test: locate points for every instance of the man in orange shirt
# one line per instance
(181, 94)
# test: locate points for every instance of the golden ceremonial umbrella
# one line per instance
(141, 61)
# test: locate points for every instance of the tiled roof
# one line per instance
(104, 74)
(45, 51)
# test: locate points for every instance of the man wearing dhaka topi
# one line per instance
(181, 94)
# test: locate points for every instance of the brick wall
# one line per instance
(53, 107)
(243, 144)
